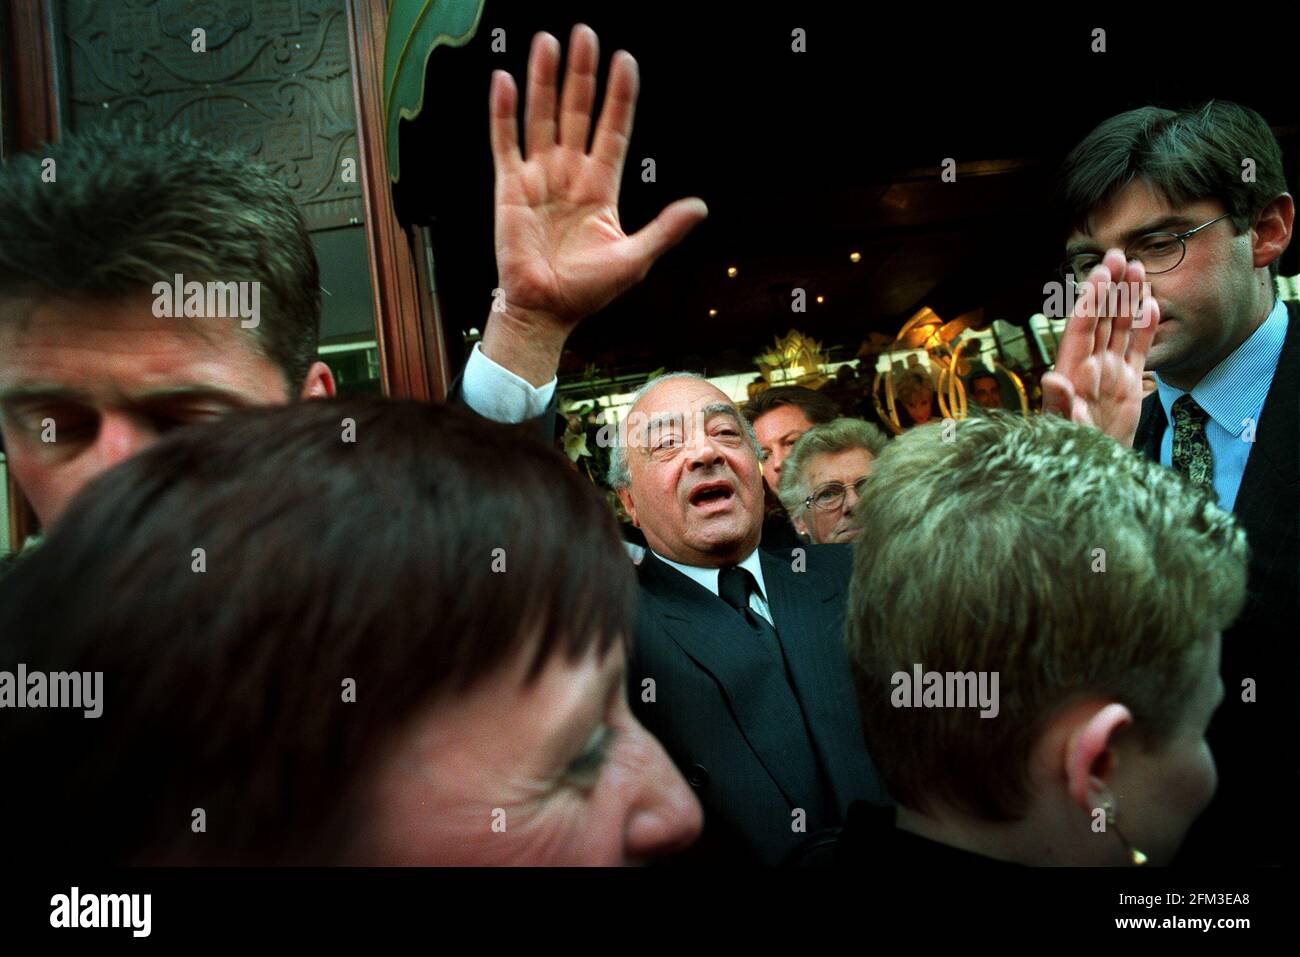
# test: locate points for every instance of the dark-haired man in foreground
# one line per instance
(93, 370)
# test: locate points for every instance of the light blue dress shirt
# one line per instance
(496, 393)
(1232, 395)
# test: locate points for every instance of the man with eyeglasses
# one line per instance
(1195, 205)
(824, 475)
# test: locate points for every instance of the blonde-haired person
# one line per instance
(823, 476)
(1093, 584)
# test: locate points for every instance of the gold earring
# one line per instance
(1135, 857)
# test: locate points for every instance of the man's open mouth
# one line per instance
(711, 493)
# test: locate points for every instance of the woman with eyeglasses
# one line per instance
(823, 476)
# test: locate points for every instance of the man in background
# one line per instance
(985, 390)
(781, 415)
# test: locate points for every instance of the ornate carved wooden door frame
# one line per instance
(412, 349)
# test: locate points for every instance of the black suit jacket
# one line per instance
(1251, 819)
(709, 715)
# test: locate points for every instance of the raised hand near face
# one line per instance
(1098, 376)
(561, 252)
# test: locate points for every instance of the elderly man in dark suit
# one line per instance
(1160, 196)
(737, 664)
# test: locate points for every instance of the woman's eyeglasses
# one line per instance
(830, 497)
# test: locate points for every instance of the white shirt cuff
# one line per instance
(496, 393)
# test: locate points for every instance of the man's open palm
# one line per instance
(561, 251)
(1098, 376)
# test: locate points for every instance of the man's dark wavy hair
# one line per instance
(1186, 155)
(125, 208)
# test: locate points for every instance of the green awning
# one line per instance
(415, 28)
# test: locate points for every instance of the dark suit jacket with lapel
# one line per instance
(708, 710)
(1255, 743)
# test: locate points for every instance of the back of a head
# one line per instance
(105, 213)
(230, 583)
(1046, 553)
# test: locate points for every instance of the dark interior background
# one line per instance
(804, 158)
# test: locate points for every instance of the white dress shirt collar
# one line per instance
(708, 577)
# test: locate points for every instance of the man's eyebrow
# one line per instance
(30, 393)
(202, 392)
(1169, 223)
(58, 393)
(829, 483)
(721, 408)
(1172, 223)
(667, 418)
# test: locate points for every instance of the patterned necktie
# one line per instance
(1191, 448)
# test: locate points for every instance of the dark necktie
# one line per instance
(1191, 447)
(735, 585)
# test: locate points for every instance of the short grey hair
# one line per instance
(838, 435)
(618, 476)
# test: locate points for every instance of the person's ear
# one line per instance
(1272, 230)
(625, 496)
(319, 383)
(1090, 760)
(799, 525)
